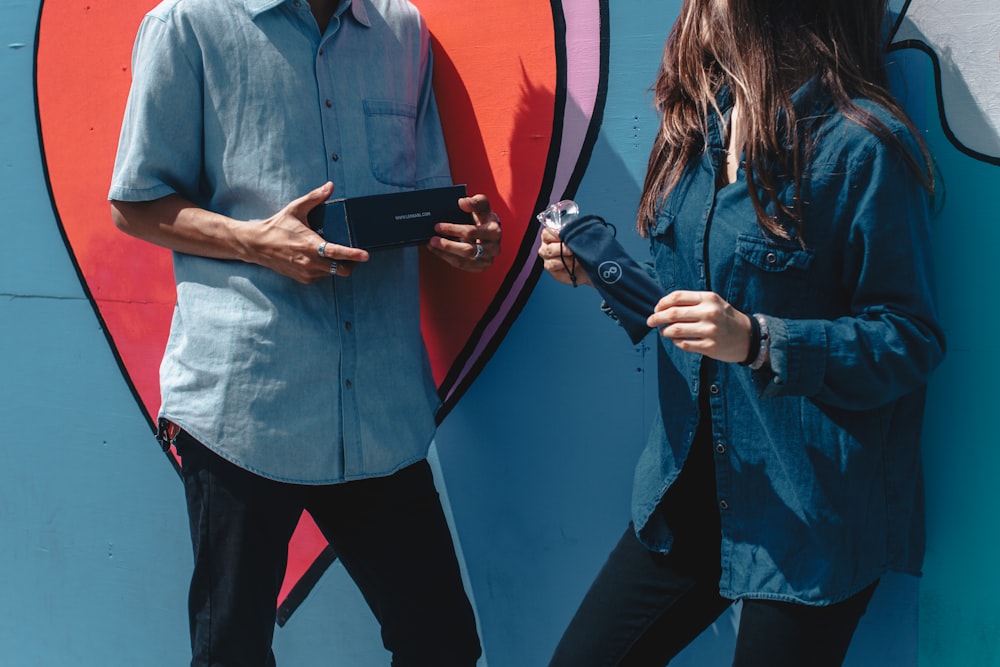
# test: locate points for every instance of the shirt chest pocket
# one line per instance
(769, 277)
(391, 130)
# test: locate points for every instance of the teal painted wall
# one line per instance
(959, 615)
(536, 459)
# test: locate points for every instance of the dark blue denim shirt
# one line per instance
(817, 457)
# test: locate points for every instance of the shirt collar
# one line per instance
(808, 100)
(257, 7)
(359, 8)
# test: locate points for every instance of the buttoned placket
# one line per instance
(715, 158)
(343, 292)
(352, 455)
(723, 469)
(328, 103)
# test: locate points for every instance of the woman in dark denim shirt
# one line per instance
(786, 205)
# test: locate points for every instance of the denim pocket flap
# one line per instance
(664, 221)
(770, 257)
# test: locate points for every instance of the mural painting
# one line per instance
(557, 106)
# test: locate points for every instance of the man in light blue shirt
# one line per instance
(295, 376)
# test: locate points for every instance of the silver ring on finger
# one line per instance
(479, 251)
(333, 267)
(322, 249)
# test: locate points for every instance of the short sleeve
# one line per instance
(160, 147)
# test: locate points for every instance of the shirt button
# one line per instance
(723, 505)
(334, 157)
(771, 258)
(348, 384)
(721, 448)
(321, 51)
(714, 389)
(329, 103)
(347, 325)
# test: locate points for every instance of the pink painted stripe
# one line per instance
(583, 59)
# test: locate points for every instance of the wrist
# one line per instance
(763, 355)
(753, 349)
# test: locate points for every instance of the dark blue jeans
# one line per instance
(645, 607)
(389, 532)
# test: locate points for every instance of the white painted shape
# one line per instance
(965, 38)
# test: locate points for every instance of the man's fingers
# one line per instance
(300, 207)
(457, 231)
(346, 254)
(478, 204)
(341, 252)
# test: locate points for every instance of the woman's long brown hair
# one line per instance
(763, 50)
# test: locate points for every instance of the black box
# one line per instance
(388, 221)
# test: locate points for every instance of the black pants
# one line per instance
(645, 607)
(390, 534)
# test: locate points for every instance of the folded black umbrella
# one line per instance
(630, 293)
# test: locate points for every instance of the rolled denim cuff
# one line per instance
(797, 358)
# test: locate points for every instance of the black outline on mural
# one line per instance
(938, 86)
(454, 385)
(69, 248)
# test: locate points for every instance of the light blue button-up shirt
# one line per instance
(817, 458)
(242, 106)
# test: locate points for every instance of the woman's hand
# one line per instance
(559, 260)
(703, 323)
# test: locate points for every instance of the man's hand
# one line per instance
(284, 243)
(469, 247)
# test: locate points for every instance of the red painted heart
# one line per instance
(520, 89)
